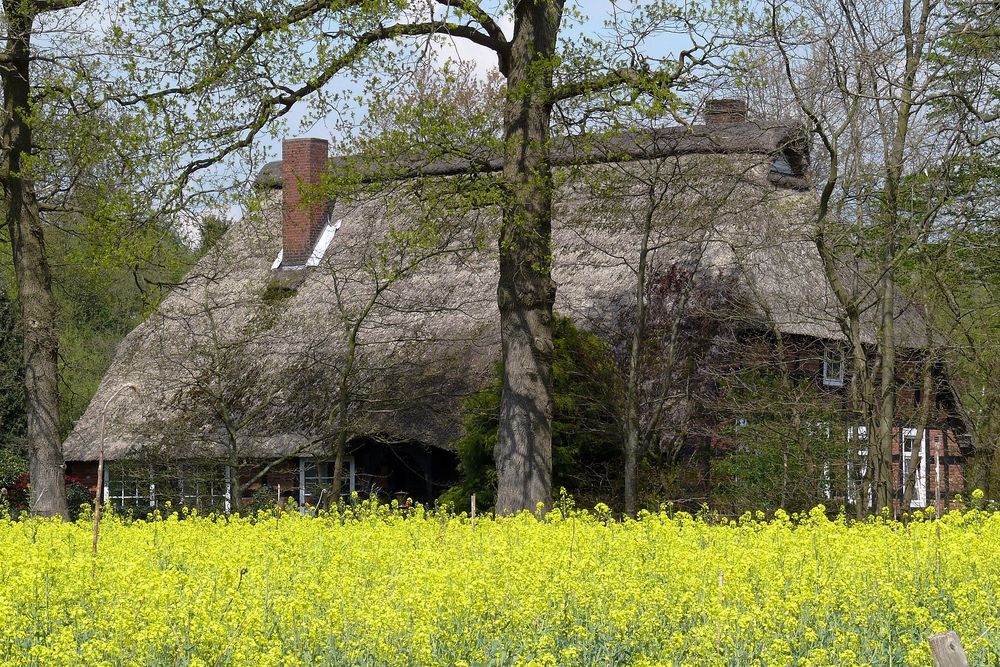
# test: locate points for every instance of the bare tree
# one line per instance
(674, 210)
(382, 308)
(863, 77)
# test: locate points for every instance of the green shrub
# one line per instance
(12, 466)
(586, 452)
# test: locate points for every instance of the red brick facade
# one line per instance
(303, 163)
(942, 467)
(942, 460)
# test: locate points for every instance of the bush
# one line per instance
(263, 499)
(586, 453)
(77, 496)
(12, 466)
(15, 483)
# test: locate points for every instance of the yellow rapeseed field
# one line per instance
(372, 587)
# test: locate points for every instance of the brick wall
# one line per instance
(302, 164)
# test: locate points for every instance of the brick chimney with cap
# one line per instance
(302, 218)
(725, 112)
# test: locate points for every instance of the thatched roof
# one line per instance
(270, 345)
(751, 138)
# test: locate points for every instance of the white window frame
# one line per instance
(822, 429)
(223, 492)
(348, 466)
(106, 497)
(859, 434)
(920, 485)
(938, 486)
(829, 379)
(229, 490)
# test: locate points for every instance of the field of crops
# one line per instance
(377, 588)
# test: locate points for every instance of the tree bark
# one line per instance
(34, 285)
(340, 438)
(910, 482)
(914, 44)
(631, 467)
(526, 292)
(340, 420)
(633, 426)
(884, 437)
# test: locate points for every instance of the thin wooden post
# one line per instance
(99, 496)
(98, 499)
(473, 511)
(318, 501)
(937, 485)
(947, 651)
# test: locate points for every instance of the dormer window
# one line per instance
(833, 366)
(782, 166)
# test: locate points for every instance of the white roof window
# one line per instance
(322, 245)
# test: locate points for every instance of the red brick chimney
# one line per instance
(725, 112)
(302, 163)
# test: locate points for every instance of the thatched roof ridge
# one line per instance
(786, 140)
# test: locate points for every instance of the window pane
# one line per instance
(128, 485)
(317, 479)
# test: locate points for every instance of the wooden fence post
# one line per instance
(473, 511)
(947, 651)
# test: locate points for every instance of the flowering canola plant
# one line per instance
(374, 587)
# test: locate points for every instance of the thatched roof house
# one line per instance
(397, 276)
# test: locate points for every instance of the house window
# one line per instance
(820, 433)
(826, 482)
(316, 479)
(203, 486)
(134, 486)
(129, 486)
(857, 461)
(910, 441)
(833, 366)
(782, 166)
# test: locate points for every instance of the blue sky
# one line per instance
(596, 11)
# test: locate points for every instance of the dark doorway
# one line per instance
(402, 470)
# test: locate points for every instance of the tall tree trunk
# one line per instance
(340, 422)
(34, 285)
(914, 44)
(885, 435)
(632, 447)
(916, 456)
(526, 292)
(633, 435)
(236, 487)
